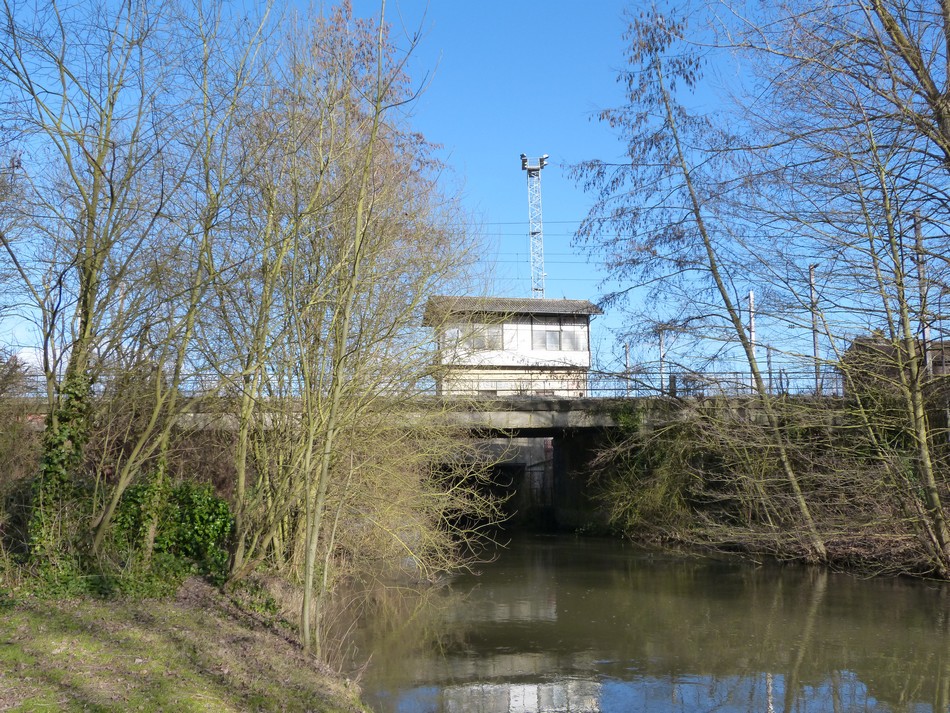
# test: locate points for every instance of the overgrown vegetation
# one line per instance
(224, 255)
(707, 478)
(814, 179)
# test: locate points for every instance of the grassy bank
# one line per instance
(193, 652)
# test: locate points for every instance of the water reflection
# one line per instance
(565, 624)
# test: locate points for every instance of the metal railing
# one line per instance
(683, 383)
(641, 383)
(680, 383)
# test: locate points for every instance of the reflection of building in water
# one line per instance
(529, 597)
(571, 696)
(670, 693)
(513, 605)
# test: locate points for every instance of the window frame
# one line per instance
(569, 331)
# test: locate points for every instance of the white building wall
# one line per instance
(519, 350)
(523, 355)
(510, 382)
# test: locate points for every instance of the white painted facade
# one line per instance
(508, 347)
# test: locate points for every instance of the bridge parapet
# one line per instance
(528, 415)
(543, 414)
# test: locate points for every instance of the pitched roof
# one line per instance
(441, 305)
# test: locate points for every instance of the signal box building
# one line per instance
(498, 346)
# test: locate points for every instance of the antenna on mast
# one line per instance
(535, 230)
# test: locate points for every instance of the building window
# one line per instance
(546, 334)
(558, 334)
(452, 337)
(484, 337)
(572, 337)
(474, 337)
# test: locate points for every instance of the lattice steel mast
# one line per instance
(535, 229)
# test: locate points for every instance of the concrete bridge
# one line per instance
(539, 415)
(546, 447)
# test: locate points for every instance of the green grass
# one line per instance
(195, 652)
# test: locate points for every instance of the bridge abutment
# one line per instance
(547, 480)
(575, 506)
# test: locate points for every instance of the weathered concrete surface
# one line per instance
(528, 415)
(536, 414)
(533, 415)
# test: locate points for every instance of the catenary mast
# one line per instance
(535, 230)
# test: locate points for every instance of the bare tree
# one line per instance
(79, 85)
(253, 259)
(856, 172)
(111, 266)
(829, 164)
(314, 325)
(671, 229)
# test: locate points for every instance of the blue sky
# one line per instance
(505, 78)
(509, 77)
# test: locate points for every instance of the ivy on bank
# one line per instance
(162, 533)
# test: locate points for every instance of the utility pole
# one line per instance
(752, 329)
(535, 230)
(814, 326)
(662, 364)
(626, 361)
(920, 259)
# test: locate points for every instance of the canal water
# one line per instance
(566, 624)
